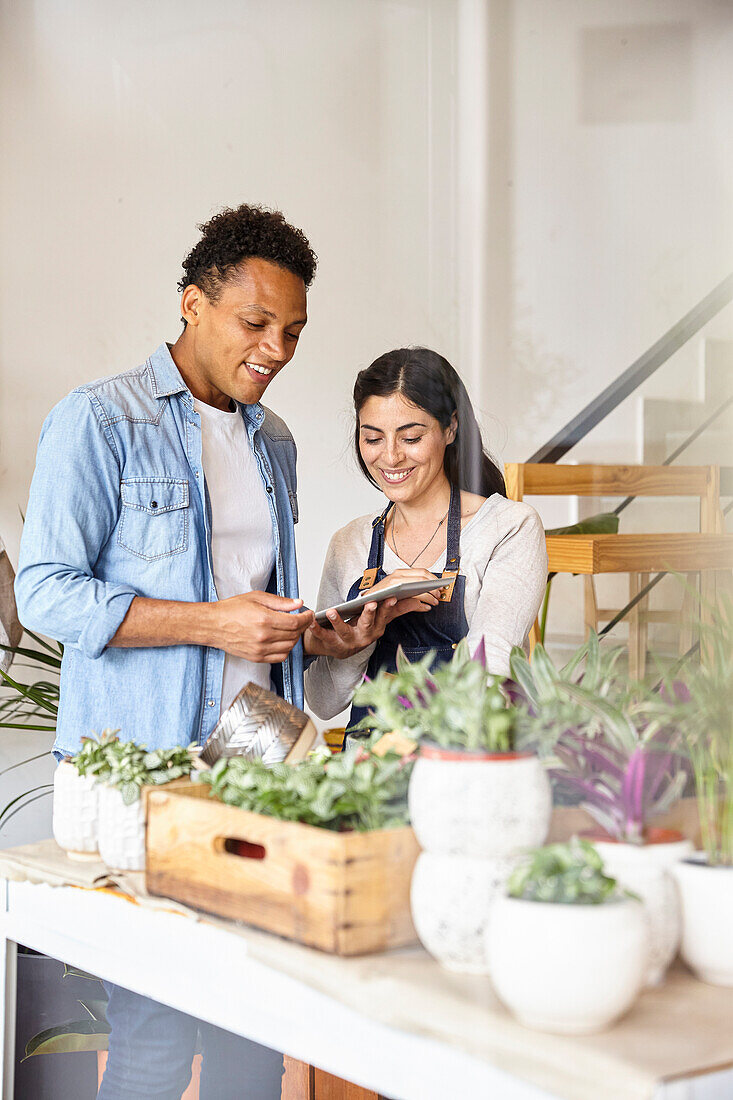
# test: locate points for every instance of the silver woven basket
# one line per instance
(260, 725)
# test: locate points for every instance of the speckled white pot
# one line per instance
(706, 894)
(121, 831)
(645, 869)
(478, 804)
(451, 898)
(75, 812)
(568, 969)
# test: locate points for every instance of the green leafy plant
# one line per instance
(129, 766)
(93, 758)
(569, 874)
(30, 704)
(90, 1033)
(355, 790)
(698, 704)
(605, 742)
(456, 704)
(34, 705)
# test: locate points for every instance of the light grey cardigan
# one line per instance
(504, 560)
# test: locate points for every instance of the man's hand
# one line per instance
(346, 639)
(259, 626)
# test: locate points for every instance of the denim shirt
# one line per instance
(118, 508)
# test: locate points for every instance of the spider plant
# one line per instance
(698, 703)
(30, 702)
(606, 742)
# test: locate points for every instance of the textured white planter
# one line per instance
(645, 869)
(75, 812)
(478, 804)
(568, 969)
(451, 899)
(121, 831)
(706, 894)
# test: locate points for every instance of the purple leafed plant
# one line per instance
(620, 789)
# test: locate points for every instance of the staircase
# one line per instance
(668, 423)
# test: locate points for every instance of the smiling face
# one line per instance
(403, 447)
(233, 347)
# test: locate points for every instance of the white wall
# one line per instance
(618, 195)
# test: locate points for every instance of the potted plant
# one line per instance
(610, 750)
(567, 948)
(128, 768)
(76, 797)
(476, 798)
(319, 851)
(701, 707)
(355, 791)
(473, 790)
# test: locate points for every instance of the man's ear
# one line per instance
(191, 302)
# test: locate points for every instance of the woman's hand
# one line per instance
(413, 603)
(345, 639)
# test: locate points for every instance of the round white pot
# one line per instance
(121, 831)
(706, 894)
(478, 804)
(645, 869)
(568, 969)
(75, 812)
(451, 899)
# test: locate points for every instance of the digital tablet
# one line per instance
(400, 590)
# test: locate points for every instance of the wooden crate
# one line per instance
(346, 893)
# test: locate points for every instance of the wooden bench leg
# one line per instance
(638, 627)
(304, 1082)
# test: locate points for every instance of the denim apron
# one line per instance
(418, 632)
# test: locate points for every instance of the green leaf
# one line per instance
(33, 654)
(96, 1007)
(605, 523)
(6, 815)
(75, 1036)
(130, 793)
(75, 972)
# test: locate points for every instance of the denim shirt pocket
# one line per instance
(154, 516)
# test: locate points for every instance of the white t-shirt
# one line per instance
(242, 542)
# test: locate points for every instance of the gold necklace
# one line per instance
(394, 543)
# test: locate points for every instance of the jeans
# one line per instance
(151, 1048)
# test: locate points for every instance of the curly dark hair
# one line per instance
(236, 235)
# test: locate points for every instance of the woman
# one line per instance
(417, 440)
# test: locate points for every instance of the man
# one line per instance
(159, 548)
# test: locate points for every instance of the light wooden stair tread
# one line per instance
(627, 553)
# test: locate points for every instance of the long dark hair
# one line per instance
(429, 381)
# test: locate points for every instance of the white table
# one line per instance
(220, 981)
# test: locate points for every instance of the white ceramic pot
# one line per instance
(706, 894)
(478, 804)
(451, 899)
(645, 869)
(121, 831)
(568, 969)
(75, 812)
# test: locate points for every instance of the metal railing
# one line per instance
(610, 398)
(641, 369)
